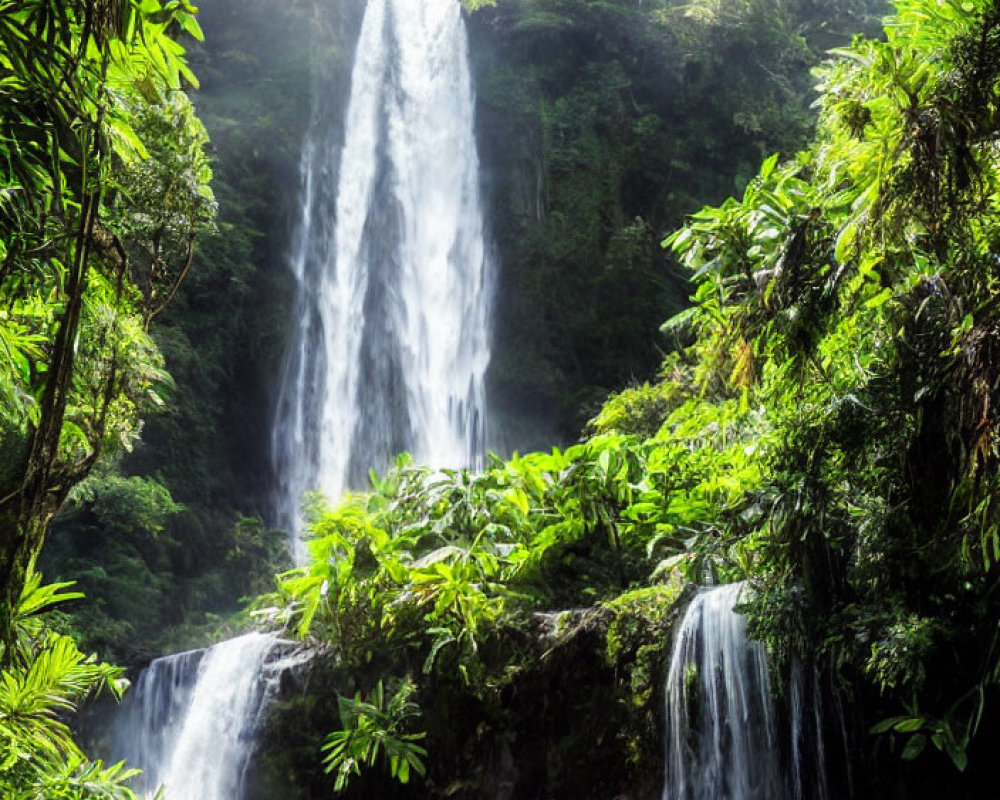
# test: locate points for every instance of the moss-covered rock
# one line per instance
(562, 704)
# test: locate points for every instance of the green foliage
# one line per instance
(637, 638)
(54, 161)
(461, 548)
(79, 82)
(45, 677)
(151, 584)
(850, 296)
(127, 504)
(433, 572)
(373, 728)
(161, 204)
(221, 338)
(636, 411)
(602, 124)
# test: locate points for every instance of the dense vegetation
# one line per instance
(103, 189)
(601, 125)
(98, 230)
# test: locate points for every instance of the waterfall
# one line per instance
(722, 741)
(389, 351)
(391, 335)
(189, 722)
(725, 739)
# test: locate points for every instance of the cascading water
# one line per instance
(190, 720)
(722, 736)
(725, 740)
(391, 343)
(390, 351)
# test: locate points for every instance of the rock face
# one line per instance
(563, 704)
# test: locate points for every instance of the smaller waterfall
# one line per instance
(807, 745)
(722, 739)
(189, 722)
(727, 739)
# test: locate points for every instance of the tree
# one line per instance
(79, 82)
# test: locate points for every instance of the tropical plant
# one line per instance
(373, 729)
(44, 677)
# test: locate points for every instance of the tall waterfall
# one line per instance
(391, 339)
(190, 720)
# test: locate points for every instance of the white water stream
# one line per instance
(394, 278)
(189, 722)
(724, 738)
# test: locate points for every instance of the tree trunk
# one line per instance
(39, 489)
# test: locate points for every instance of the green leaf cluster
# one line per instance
(43, 679)
(374, 728)
(155, 580)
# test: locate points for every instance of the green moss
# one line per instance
(637, 615)
(637, 410)
(636, 647)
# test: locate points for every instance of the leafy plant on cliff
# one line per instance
(433, 575)
(374, 728)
